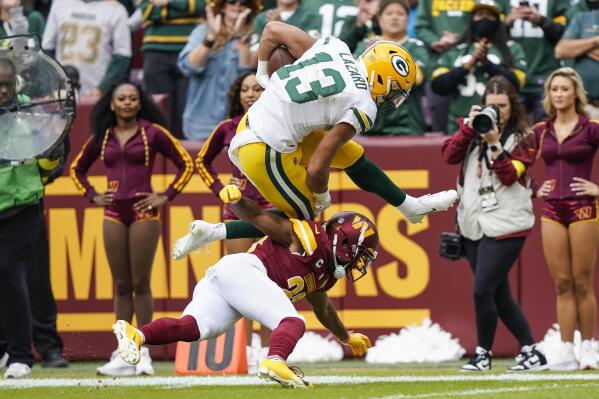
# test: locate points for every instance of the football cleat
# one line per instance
(481, 361)
(530, 359)
(200, 233)
(415, 211)
(129, 340)
(273, 368)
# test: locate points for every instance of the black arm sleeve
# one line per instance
(448, 82)
(494, 69)
(553, 31)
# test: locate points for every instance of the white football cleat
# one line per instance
(200, 233)
(415, 209)
(17, 370)
(116, 367)
(275, 369)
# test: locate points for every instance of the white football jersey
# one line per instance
(322, 88)
(86, 34)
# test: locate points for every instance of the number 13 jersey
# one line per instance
(322, 88)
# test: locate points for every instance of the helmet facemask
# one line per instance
(354, 259)
(393, 99)
(390, 72)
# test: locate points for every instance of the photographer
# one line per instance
(494, 146)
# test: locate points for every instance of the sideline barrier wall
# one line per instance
(408, 283)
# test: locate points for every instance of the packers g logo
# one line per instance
(400, 65)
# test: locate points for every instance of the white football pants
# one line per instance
(236, 286)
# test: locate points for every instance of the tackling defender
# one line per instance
(299, 259)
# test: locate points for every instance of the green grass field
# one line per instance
(347, 379)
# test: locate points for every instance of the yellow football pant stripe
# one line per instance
(252, 159)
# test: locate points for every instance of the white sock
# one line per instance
(143, 337)
(410, 205)
(219, 232)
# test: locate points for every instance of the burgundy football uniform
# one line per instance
(299, 274)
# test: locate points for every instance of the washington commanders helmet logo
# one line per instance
(400, 65)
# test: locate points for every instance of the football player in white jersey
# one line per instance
(304, 121)
(93, 36)
(303, 124)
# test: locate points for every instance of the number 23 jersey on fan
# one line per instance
(324, 87)
(86, 34)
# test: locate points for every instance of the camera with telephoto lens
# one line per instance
(483, 122)
(451, 246)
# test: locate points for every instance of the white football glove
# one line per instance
(262, 74)
(322, 201)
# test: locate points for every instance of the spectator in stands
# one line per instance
(537, 31)
(293, 12)
(17, 22)
(217, 52)
(128, 132)
(495, 215)
(567, 142)
(364, 24)
(581, 43)
(440, 25)
(392, 18)
(242, 94)
(94, 37)
(169, 24)
(463, 71)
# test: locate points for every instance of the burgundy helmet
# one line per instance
(355, 240)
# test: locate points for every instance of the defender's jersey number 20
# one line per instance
(318, 88)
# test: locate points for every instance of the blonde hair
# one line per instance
(580, 92)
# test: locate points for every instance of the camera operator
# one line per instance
(495, 147)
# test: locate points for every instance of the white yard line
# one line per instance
(475, 392)
(178, 382)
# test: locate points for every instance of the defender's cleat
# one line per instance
(200, 233)
(130, 341)
(275, 369)
(530, 359)
(429, 203)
